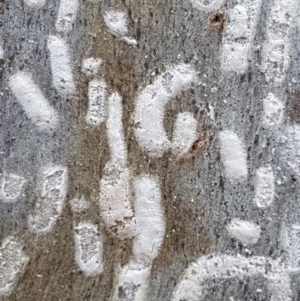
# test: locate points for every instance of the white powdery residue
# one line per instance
(275, 52)
(293, 245)
(61, 68)
(33, 102)
(115, 201)
(233, 156)
(88, 248)
(132, 283)
(52, 192)
(11, 187)
(185, 133)
(129, 41)
(79, 205)
(273, 110)
(91, 66)
(150, 107)
(290, 154)
(116, 22)
(150, 221)
(195, 282)
(264, 187)
(12, 264)
(97, 106)
(66, 16)
(245, 232)
(35, 3)
(115, 135)
(208, 7)
(239, 34)
(1, 52)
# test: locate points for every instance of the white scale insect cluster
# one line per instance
(12, 264)
(239, 35)
(66, 16)
(36, 4)
(52, 190)
(88, 248)
(207, 6)
(33, 102)
(11, 187)
(150, 107)
(273, 110)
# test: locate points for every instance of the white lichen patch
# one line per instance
(150, 221)
(132, 283)
(88, 248)
(245, 232)
(276, 47)
(115, 201)
(97, 106)
(11, 187)
(79, 205)
(51, 194)
(115, 135)
(62, 76)
(293, 245)
(264, 187)
(36, 4)
(207, 5)
(239, 35)
(150, 107)
(196, 281)
(91, 66)
(290, 154)
(273, 110)
(233, 155)
(184, 134)
(12, 264)
(33, 102)
(67, 13)
(116, 22)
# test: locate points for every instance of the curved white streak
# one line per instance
(214, 5)
(66, 16)
(194, 287)
(61, 68)
(150, 105)
(33, 102)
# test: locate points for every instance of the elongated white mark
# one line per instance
(293, 245)
(35, 3)
(52, 190)
(33, 102)
(246, 232)
(115, 188)
(150, 222)
(207, 6)
(116, 22)
(185, 133)
(12, 264)
(273, 110)
(132, 282)
(91, 66)
(276, 47)
(62, 75)
(233, 156)
(264, 187)
(150, 106)
(129, 41)
(66, 16)
(88, 248)
(1, 52)
(11, 187)
(79, 205)
(97, 107)
(239, 35)
(290, 154)
(195, 283)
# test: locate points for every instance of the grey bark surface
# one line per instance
(197, 199)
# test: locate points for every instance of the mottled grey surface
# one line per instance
(198, 200)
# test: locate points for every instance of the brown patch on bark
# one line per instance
(217, 21)
(293, 110)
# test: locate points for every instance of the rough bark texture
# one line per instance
(198, 195)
